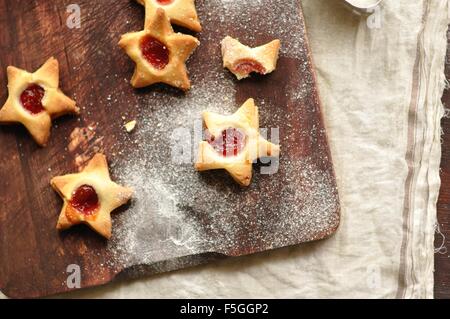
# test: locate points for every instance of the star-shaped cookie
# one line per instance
(35, 99)
(242, 60)
(234, 143)
(160, 54)
(90, 196)
(180, 12)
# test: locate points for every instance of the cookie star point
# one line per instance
(90, 196)
(99, 165)
(179, 12)
(7, 114)
(157, 20)
(34, 99)
(14, 74)
(49, 71)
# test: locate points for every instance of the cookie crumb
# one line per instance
(130, 126)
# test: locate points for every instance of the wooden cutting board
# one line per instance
(178, 217)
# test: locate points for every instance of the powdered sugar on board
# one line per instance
(178, 212)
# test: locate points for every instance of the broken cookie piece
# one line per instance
(242, 60)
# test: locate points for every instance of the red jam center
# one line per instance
(164, 2)
(31, 99)
(230, 143)
(85, 200)
(155, 52)
(248, 66)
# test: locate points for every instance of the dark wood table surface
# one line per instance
(442, 260)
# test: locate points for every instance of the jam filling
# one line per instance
(155, 52)
(247, 66)
(31, 99)
(229, 143)
(85, 200)
(164, 2)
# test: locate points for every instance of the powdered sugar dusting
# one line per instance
(178, 212)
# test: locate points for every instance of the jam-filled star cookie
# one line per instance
(35, 99)
(180, 12)
(242, 60)
(90, 196)
(160, 54)
(233, 143)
